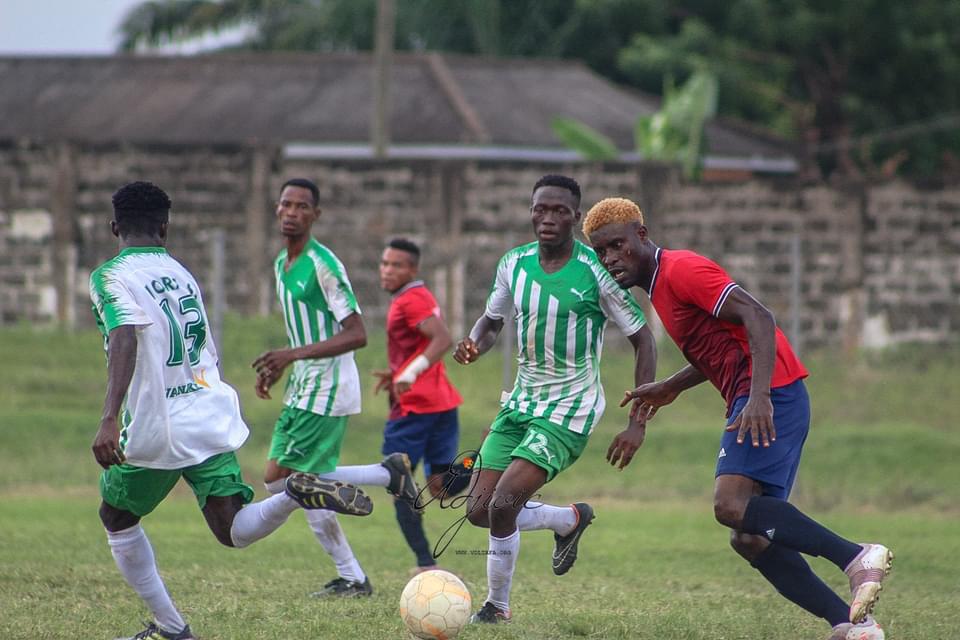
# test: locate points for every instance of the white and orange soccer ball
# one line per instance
(435, 605)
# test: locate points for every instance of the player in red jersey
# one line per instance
(732, 340)
(423, 404)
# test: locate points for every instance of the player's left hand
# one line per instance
(401, 387)
(384, 380)
(757, 419)
(625, 445)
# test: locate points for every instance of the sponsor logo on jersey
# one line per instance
(579, 294)
(199, 383)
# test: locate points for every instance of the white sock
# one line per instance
(260, 519)
(134, 557)
(536, 515)
(369, 474)
(501, 562)
(328, 532)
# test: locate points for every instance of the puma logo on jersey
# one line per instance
(578, 293)
(538, 444)
(200, 378)
(302, 285)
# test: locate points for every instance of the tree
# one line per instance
(835, 76)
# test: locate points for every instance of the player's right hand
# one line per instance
(106, 444)
(466, 352)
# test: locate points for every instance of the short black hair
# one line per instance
(139, 208)
(556, 180)
(408, 246)
(303, 183)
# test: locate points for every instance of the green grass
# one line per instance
(880, 463)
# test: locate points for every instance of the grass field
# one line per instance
(881, 463)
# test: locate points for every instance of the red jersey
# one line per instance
(688, 290)
(431, 391)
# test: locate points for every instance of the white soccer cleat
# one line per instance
(866, 630)
(866, 573)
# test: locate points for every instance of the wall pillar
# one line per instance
(257, 215)
(64, 234)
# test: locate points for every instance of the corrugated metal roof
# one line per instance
(324, 99)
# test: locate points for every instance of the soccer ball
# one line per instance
(435, 605)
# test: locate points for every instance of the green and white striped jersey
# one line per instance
(177, 411)
(315, 296)
(560, 320)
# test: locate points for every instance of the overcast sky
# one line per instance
(63, 26)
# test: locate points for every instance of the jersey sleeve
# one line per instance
(500, 300)
(618, 304)
(702, 282)
(333, 280)
(113, 303)
(418, 305)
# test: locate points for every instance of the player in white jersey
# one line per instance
(168, 415)
(562, 297)
(324, 327)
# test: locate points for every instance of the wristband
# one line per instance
(413, 370)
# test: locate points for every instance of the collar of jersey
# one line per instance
(130, 250)
(408, 286)
(574, 257)
(656, 271)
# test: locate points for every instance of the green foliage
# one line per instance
(584, 139)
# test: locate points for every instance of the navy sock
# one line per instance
(781, 521)
(786, 570)
(411, 524)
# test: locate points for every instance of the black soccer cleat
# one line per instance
(490, 613)
(343, 588)
(402, 485)
(565, 547)
(153, 632)
(313, 492)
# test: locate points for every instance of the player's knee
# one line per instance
(746, 545)
(114, 519)
(478, 514)
(222, 534)
(728, 512)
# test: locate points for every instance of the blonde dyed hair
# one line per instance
(611, 211)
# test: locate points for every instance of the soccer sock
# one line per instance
(780, 520)
(369, 474)
(411, 524)
(536, 515)
(456, 479)
(501, 562)
(134, 557)
(260, 519)
(790, 574)
(328, 532)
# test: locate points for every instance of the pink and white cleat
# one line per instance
(866, 630)
(866, 572)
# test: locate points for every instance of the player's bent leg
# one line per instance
(220, 512)
(480, 496)
(731, 494)
(867, 572)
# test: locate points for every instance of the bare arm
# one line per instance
(270, 364)
(440, 341)
(482, 337)
(626, 443)
(121, 363)
(757, 415)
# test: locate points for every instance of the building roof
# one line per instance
(325, 100)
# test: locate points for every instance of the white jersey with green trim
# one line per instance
(560, 321)
(315, 297)
(177, 411)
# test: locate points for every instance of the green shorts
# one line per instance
(305, 441)
(518, 435)
(139, 490)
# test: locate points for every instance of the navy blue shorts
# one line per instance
(774, 467)
(431, 437)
